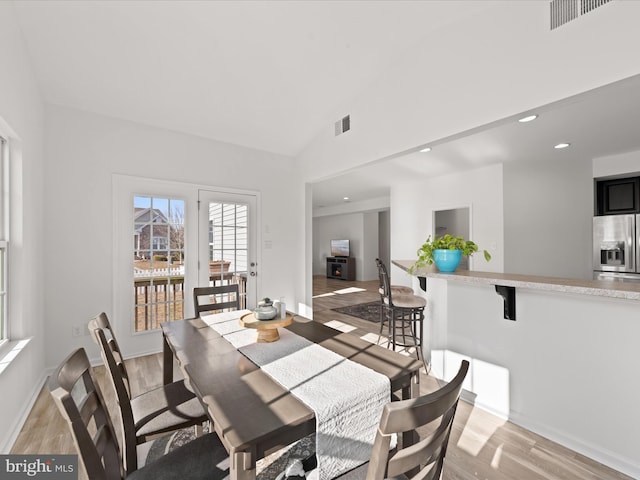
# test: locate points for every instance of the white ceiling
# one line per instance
(263, 74)
(599, 123)
(272, 75)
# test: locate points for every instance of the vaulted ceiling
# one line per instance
(263, 74)
(272, 75)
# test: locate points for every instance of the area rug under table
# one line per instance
(267, 468)
(369, 311)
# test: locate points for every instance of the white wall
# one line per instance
(84, 151)
(566, 368)
(384, 237)
(350, 227)
(548, 211)
(412, 207)
(367, 232)
(21, 119)
(370, 240)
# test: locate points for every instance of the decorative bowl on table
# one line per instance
(265, 310)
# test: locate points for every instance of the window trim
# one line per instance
(5, 326)
(158, 244)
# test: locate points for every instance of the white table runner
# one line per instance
(347, 397)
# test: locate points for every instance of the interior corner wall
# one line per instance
(384, 237)
(22, 121)
(548, 210)
(370, 241)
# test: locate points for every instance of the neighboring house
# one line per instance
(152, 233)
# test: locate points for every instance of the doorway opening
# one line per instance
(454, 222)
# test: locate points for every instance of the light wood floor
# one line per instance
(482, 446)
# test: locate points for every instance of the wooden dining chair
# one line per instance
(424, 459)
(222, 297)
(81, 403)
(163, 409)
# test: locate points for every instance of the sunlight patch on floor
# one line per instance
(350, 290)
(473, 440)
(372, 338)
(495, 461)
(330, 294)
(338, 325)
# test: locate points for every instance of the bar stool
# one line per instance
(404, 313)
(396, 289)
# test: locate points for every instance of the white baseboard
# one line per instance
(628, 466)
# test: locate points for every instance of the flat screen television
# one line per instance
(339, 248)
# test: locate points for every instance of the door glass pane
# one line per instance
(228, 245)
(158, 261)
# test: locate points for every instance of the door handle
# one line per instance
(253, 274)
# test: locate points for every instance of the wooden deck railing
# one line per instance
(160, 298)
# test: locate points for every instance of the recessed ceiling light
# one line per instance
(346, 199)
(529, 118)
(425, 150)
(561, 145)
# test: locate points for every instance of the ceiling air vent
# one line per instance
(563, 11)
(343, 125)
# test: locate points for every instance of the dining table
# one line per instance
(253, 414)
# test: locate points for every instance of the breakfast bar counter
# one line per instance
(602, 288)
(547, 353)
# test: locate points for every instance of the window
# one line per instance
(228, 238)
(158, 260)
(4, 217)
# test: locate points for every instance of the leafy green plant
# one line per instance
(447, 242)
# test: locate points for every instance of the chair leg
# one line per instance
(382, 315)
(419, 349)
(392, 328)
(403, 325)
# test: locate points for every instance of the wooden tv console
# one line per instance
(343, 268)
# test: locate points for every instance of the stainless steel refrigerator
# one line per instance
(616, 253)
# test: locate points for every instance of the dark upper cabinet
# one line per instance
(618, 196)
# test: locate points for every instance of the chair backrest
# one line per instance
(80, 401)
(102, 321)
(380, 267)
(425, 458)
(385, 282)
(223, 297)
(99, 328)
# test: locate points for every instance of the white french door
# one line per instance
(227, 242)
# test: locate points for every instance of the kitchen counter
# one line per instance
(601, 288)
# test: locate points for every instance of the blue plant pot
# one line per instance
(447, 260)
